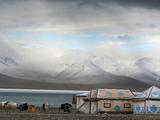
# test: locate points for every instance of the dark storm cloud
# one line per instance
(124, 37)
(78, 15)
(153, 4)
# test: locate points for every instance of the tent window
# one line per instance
(107, 105)
(127, 105)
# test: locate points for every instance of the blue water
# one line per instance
(54, 99)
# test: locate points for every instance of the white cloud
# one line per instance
(150, 40)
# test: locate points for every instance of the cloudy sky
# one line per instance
(131, 25)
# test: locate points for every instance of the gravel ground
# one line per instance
(16, 115)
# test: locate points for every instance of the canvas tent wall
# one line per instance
(82, 105)
(111, 100)
(147, 102)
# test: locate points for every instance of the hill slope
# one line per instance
(10, 82)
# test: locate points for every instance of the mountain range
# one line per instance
(80, 73)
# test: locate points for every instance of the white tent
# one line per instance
(82, 105)
(108, 100)
(147, 102)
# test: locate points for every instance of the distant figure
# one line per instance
(32, 108)
(5, 104)
(12, 105)
(66, 107)
(23, 107)
(45, 107)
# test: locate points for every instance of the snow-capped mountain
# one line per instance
(7, 64)
(147, 70)
(81, 68)
(106, 63)
(6, 61)
(149, 64)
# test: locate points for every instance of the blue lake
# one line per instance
(54, 99)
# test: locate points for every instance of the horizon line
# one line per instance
(42, 91)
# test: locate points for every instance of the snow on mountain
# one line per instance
(7, 64)
(147, 70)
(76, 66)
(109, 64)
(81, 69)
(149, 64)
(6, 61)
(106, 63)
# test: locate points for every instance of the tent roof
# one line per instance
(111, 94)
(137, 93)
(151, 93)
